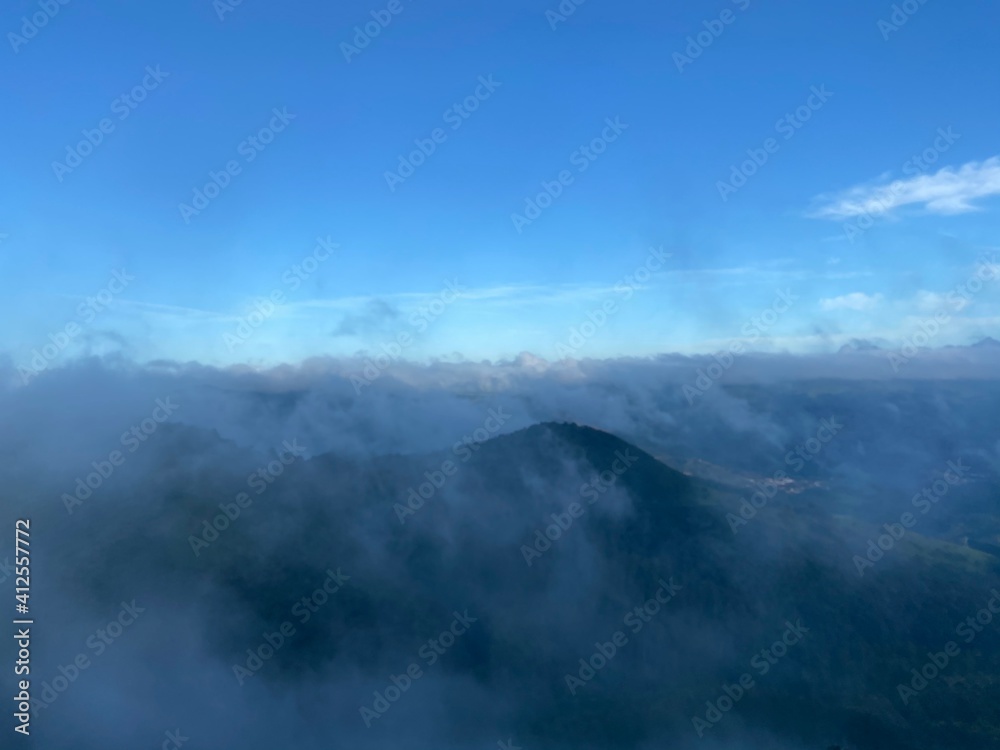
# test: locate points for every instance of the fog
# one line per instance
(330, 505)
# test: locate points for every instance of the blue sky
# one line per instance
(553, 87)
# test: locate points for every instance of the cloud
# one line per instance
(131, 539)
(376, 319)
(856, 301)
(948, 191)
(174, 312)
(926, 301)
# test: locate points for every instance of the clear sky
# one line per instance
(507, 95)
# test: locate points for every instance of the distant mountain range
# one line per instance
(861, 345)
(772, 633)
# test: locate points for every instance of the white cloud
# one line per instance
(947, 191)
(856, 301)
(926, 301)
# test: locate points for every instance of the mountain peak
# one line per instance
(989, 341)
(858, 345)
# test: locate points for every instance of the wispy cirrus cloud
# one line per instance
(858, 301)
(948, 191)
(154, 309)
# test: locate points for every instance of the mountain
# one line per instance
(859, 345)
(548, 539)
